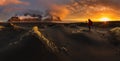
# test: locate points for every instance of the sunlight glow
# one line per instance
(104, 19)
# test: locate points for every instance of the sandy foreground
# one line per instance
(59, 43)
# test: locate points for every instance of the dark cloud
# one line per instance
(72, 8)
(10, 7)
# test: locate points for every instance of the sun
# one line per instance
(104, 19)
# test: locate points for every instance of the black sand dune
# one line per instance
(58, 43)
(29, 48)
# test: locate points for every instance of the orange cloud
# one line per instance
(59, 10)
(84, 9)
(7, 2)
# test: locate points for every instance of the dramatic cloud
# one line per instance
(9, 7)
(58, 10)
(67, 9)
(94, 8)
(8, 2)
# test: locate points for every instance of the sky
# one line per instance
(66, 9)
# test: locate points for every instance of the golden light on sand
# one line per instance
(104, 19)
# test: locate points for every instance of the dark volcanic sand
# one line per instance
(75, 43)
